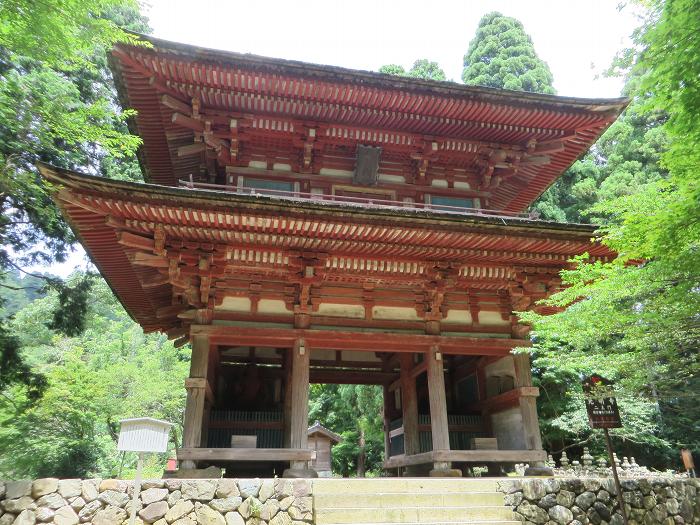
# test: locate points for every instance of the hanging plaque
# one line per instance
(601, 404)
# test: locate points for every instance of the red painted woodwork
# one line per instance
(170, 253)
(245, 108)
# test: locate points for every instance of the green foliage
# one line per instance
(501, 55)
(57, 105)
(422, 68)
(623, 161)
(641, 309)
(109, 372)
(354, 412)
(61, 33)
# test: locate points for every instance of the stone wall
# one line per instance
(161, 502)
(580, 501)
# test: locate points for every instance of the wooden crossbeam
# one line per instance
(466, 456)
(245, 454)
(175, 104)
(361, 341)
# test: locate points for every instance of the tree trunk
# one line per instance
(361, 456)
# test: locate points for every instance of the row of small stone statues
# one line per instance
(588, 465)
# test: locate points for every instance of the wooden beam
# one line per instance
(166, 312)
(505, 400)
(175, 104)
(146, 259)
(245, 454)
(418, 369)
(191, 149)
(361, 341)
(139, 242)
(349, 377)
(187, 122)
(501, 456)
(467, 456)
(200, 382)
(403, 460)
(292, 175)
(154, 281)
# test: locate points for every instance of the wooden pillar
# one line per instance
(409, 406)
(481, 383)
(300, 400)
(196, 396)
(387, 421)
(528, 404)
(438, 405)
(287, 405)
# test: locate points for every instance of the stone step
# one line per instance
(403, 499)
(421, 515)
(403, 485)
(476, 522)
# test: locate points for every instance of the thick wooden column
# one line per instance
(409, 406)
(438, 405)
(196, 396)
(528, 404)
(300, 401)
(386, 397)
(287, 404)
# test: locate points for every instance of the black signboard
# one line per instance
(601, 403)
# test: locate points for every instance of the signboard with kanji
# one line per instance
(601, 403)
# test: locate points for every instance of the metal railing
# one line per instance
(362, 202)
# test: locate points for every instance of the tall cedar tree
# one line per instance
(501, 55)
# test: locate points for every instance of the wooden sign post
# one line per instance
(688, 463)
(601, 406)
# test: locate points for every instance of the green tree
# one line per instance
(354, 412)
(109, 372)
(502, 55)
(56, 105)
(643, 306)
(622, 162)
(422, 68)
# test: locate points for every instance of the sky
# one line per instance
(577, 38)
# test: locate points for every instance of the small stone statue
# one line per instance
(587, 458)
(602, 462)
(616, 460)
(550, 461)
(633, 463)
(564, 460)
(625, 463)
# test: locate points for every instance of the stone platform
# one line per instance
(337, 501)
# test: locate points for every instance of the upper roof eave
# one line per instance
(382, 80)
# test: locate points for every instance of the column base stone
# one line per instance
(194, 473)
(299, 473)
(538, 471)
(445, 473)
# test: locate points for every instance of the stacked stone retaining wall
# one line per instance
(582, 501)
(161, 502)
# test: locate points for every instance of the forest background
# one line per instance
(72, 363)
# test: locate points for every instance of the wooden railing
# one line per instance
(363, 202)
